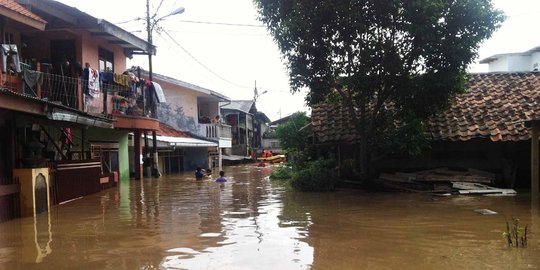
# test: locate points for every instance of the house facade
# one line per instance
(194, 112)
(514, 62)
(62, 135)
(484, 128)
(240, 114)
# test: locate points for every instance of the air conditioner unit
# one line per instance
(35, 194)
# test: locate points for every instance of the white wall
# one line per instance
(514, 63)
(519, 63)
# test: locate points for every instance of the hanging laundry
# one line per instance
(67, 133)
(121, 79)
(31, 77)
(106, 77)
(93, 82)
(10, 50)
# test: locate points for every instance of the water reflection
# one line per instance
(251, 222)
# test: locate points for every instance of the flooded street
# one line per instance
(253, 223)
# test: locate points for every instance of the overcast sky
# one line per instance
(230, 58)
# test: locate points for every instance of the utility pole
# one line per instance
(149, 29)
(151, 100)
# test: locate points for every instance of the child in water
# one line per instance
(199, 174)
(221, 178)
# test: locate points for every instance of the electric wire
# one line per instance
(200, 63)
(222, 23)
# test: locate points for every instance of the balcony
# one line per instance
(216, 132)
(125, 103)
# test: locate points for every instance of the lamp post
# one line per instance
(149, 29)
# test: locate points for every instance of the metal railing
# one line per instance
(69, 91)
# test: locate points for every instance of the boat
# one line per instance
(273, 159)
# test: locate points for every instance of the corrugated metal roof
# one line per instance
(239, 105)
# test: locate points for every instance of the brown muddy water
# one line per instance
(253, 223)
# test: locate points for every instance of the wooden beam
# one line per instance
(19, 17)
(9, 189)
(21, 104)
(534, 159)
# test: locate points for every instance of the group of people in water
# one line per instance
(200, 174)
(267, 154)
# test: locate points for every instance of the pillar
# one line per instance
(534, 159)
(220, 159)
(137, 155)
(155, 167)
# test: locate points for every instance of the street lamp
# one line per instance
(149, 29)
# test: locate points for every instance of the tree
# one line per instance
(392, 63)
(290, 135)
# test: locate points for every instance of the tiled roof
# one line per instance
(332, 123)
(166, 130)
(14, 6)
(494, 106)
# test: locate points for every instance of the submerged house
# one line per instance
(484, 128)
(192, 133)
(239, 114)
(61, 138)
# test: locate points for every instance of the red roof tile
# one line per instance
(14, 6)
(166, 130)
(494, 106)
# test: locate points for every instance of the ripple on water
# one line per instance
(210, 235)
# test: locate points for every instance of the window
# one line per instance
(106, 60)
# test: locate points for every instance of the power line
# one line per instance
(200, 63)
(222, 23)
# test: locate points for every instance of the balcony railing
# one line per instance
(69, 91)
(215, 131)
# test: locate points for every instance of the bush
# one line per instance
(283, 172)
(317, 175)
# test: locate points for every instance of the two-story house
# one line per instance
(239, 115)
(192, 132)
(61, 70)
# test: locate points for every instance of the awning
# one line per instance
(234, 157)
(185, 141)
(68, 116)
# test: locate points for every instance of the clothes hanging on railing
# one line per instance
(31, 77)
(10, 50)
(121, 79)
(93, 82)
(106, 77)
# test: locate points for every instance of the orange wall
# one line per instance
(89, 46)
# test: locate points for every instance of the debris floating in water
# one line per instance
(485, 211)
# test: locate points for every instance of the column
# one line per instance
(534, 159)
(137, 155)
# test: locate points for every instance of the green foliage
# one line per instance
(317, 175)
(282, 172)
(391, 62)
(289, 134)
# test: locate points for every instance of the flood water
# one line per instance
(251, 222)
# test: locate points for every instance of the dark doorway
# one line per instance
(42, 202)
